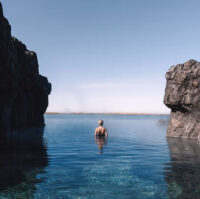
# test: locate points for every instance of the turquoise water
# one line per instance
(65, 161)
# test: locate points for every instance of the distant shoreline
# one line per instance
(82, 113)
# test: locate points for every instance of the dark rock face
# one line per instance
(23, 91)
(182, 96)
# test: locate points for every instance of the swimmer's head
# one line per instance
(100, 122)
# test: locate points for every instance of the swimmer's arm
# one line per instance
(106, 133)
(95, 134)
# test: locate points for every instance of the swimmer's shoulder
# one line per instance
(97, 130)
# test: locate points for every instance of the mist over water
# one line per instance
(99, 98)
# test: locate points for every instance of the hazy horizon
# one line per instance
(107, 56)
(104, 113)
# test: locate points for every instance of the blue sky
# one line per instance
(107, 55)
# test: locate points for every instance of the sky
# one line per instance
(107, 55)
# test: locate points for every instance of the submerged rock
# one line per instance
(182, 96)
(23, 91)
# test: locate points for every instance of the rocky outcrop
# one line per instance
(182, 96)
(23, 91)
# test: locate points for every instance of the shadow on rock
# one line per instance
(183, 172)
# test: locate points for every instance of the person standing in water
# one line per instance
(101, 136)
(101, 131)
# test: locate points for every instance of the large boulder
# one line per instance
(182, 96)
(23, 91)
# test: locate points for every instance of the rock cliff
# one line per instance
(23, 91)
(182, 96)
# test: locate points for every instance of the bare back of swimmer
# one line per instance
(101, 131)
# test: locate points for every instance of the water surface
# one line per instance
(65, 161)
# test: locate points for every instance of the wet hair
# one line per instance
(100, 122)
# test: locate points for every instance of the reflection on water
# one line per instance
(163, 122)
(22, 157)
(130, 167)
(137, 163)
(101, 141)
(183, 174)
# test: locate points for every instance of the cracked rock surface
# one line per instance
(182, 96)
